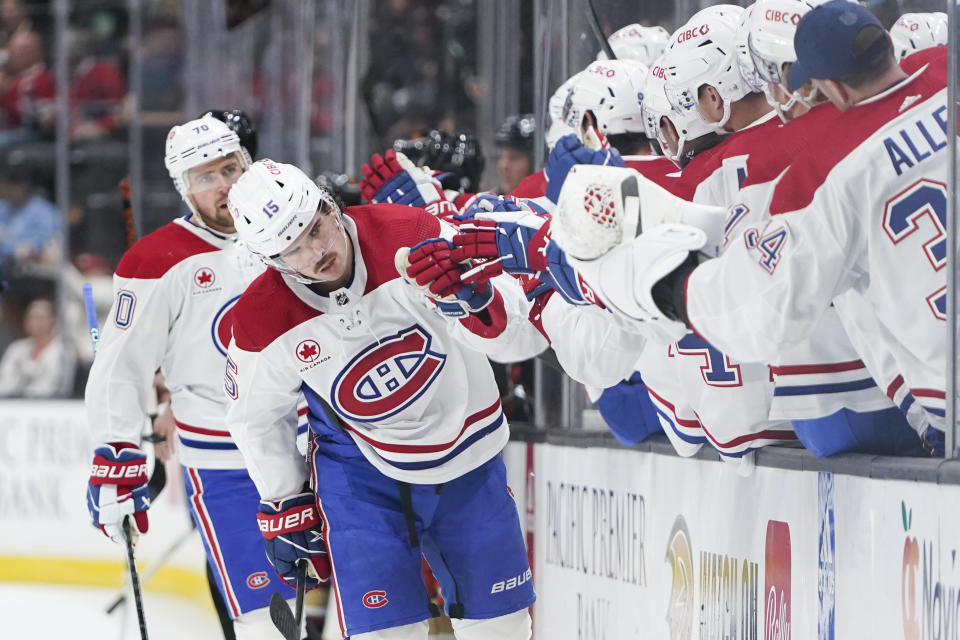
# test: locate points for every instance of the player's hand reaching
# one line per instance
(506, 241)
(569, 152)
(292, 530)
(118, 488)
(429, 266)
(393, 178)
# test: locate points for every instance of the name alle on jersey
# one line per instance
(917, 141)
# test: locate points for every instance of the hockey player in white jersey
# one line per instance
(413, 467)
(855, 242)
(173, 290)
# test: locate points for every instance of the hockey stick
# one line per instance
(286, 622)
(155, 566)
(134, 578)
(594, 22)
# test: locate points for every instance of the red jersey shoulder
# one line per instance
(777, 149)
(384, 228)
(533, 186)
(662, 171)
(254, 327)
(847, 131)
(933, 55)
(158, 252)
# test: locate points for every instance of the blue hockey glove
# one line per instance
(118, 488)
(569, 152)
(292, 530)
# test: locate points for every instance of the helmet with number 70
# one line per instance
(196, 143)
(704, 52)
(915, 31)
(605, 101)
(278, 211)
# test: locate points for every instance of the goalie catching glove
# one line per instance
(430, 267)
(392, 178)
(118, 488)
(292, 530)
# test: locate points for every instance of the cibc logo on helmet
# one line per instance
(695, 32)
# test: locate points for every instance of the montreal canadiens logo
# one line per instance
(375, 599)
(258, 580)
(388, 376)
(204, 277)
(221, 330)
(308, 350)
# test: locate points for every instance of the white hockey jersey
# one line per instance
(413, 388)
(875, 225)
(172, 291)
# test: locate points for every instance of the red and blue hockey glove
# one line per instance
(569, 152)
(485, 203)
(393, 178)
(118, 488)
(511, 241)
(292, 530)
(429, 266)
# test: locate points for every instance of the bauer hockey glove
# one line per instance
(429, 267)
(483, 203)
(569, 152)
(508, 241)
(292, 530)
(118, 488)
(393, 178)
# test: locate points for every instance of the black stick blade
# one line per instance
(283, 618)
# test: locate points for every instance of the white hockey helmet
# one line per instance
(198, 142)
(556, 108)
(770, 44)
(637, 42)
(703, 52)
(915, 31)
(612, 91)
(689, 124)
(272, 204)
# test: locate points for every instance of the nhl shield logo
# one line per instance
(387, 376)
(308, 350)
(342, 299)
(204, 277)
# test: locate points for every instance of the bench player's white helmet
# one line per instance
(611, 91)
(637, 42)
(704, 52)
(915, 31)
(689, 125)
(770, 42)
(272, 204)
(195, 143)
(557, 107)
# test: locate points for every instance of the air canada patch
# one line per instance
(388, 376)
